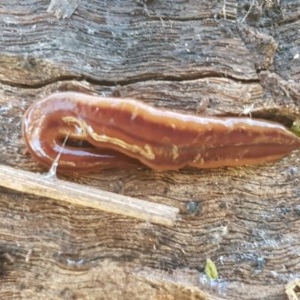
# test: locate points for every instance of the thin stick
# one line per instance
(76, 194)
(248, 12)
(224, 9)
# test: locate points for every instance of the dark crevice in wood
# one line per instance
(124, 82)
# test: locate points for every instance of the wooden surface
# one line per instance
(174, 54)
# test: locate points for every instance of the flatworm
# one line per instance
(108, 132)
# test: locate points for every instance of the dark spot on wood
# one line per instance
(193, 208)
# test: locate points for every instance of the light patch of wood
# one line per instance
(63, 8)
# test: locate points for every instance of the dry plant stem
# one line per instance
(75, 194)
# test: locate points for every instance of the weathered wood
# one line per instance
(174, 54)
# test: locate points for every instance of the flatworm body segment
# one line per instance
(107, 133)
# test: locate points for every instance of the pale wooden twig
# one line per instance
(248, 12)
(224, 9)
(292, 289)
(76, 194)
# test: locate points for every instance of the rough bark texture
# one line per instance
(174, 54)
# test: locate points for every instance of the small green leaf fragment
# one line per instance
(296, 127)
(211, 269)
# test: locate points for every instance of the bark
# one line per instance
(175, 54)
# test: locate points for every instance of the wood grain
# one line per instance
(173, 54)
